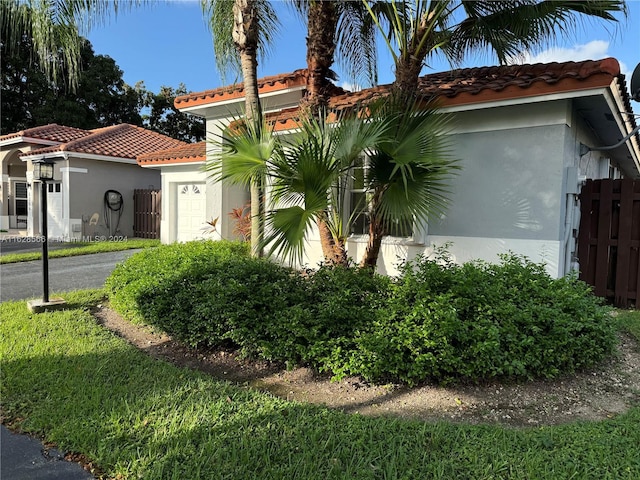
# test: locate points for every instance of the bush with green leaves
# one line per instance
(436, 321)
(480, 321)
(212, 293)
(146, 276)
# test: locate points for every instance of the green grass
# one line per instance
(82, 249)
(80, 386)
(629, 321)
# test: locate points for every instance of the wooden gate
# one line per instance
(609, 240)
(146, 213)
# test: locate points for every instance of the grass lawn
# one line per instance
(81, 249)
(80, 386)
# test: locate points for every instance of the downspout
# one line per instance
(572, 189)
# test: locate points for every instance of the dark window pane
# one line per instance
(21, 207)
(21, 190)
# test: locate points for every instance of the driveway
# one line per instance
(20, 281)
(25, 458)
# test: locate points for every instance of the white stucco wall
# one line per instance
(517, 190)
(508, 195)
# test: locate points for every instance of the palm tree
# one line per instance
(311, 173)
(55, 28)
(253, 23)
(308, 174)
(408, 171)
(344, 27)
(311, 177)
(455, 28)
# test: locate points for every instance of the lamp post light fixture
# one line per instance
(43, 172)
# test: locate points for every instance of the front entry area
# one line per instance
(191, 206)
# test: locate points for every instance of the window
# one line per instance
(194, 189)
(359, 198)
(21, 198)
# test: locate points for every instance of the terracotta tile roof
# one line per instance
(189, 153)
(456, 87)
(52, 132)
(272, 83)
(122, 141)
(473, 85)
(286, 119)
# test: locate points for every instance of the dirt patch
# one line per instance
(597, 394)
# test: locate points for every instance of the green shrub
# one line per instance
(436, 321)
(210, 294)
(150, 273)
(481, 321)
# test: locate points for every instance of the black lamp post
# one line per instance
(43, 171)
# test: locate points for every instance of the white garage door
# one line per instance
(191, 211)
(55, 226)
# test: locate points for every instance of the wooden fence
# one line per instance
(146, 213)
(609, 240)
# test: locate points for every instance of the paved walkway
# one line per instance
(25, 458)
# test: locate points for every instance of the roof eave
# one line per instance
(171, 163)
(39, 141)
(80, 155)
(204, 108)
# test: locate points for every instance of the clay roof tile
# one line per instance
(122, 141)
(51, 132)
(266, 84)
(189, 153)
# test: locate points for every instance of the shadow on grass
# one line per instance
(137, 416)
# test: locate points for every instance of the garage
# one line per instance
(191, 209)
(55, 224)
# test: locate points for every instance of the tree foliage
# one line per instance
(30, 98)
(163, 117)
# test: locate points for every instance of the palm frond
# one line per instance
(219, 18)
(55, 28)
(412, 167)
(356, 43)
(288, 233)
(509, 28)
(242, 153)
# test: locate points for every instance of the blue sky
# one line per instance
(168, 43)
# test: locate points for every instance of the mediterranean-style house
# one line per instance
(95, 175)
(527, 136)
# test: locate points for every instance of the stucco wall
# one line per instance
(86, 192)
(509, 186)
(508, 196)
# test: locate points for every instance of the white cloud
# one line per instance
(594, 50)
(353, 87)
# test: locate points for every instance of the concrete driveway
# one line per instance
(21, 281)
